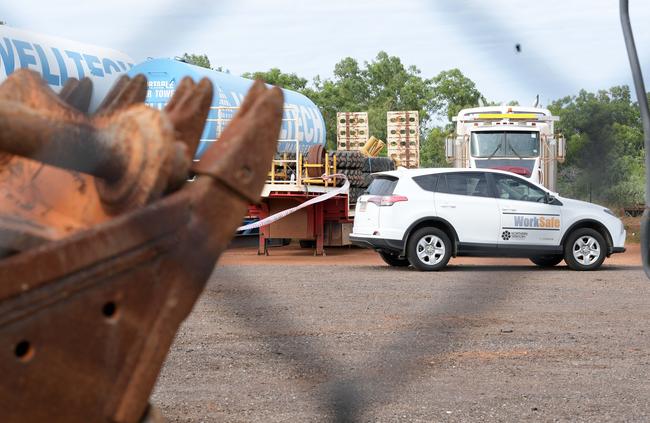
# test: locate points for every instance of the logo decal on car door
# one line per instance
(508, 235)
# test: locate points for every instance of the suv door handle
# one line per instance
(447, 206)
(509, 210)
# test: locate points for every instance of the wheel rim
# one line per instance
(430, 250)
(586, 250)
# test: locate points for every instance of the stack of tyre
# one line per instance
(358, 169)
(375, 164)
(350, 163)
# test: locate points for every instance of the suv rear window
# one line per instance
(382, 185)
(427, 182)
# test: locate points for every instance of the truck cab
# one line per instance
(517, 139)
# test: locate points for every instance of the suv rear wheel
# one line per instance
(393, 259)
(547, 261)
(428, 249)
(585, 249)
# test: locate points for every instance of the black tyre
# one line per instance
(354, 195)
(393, 259)
(585, 249)
(367, 179)
(341, 160)
(358, 192)
(360, 158)
(355, 161)
(547, 261)
(377, 164)
(428, 249)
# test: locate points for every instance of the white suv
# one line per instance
(423, 217)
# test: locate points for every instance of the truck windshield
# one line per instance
(518, 144)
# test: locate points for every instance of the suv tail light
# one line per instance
(386, 200)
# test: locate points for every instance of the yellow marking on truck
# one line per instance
(507, 116)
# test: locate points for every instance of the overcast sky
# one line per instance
(566, 45)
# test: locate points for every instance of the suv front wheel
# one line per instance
(585, 249)
(428, 249)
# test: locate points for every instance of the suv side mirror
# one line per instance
(547, 198)
(550, 199)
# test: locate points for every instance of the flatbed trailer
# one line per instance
(327, 223)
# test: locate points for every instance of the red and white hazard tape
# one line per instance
(274, 218)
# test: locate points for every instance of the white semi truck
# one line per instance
(512, 138)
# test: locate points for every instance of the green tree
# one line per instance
(604, 146)
(197, 59)
(392, 86)
(432, 149)
(453, 92)
(276, 77)
(376, 87)
(382, 85)
(346, 92)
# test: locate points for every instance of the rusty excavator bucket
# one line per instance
(105, 248)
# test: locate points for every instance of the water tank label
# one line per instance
(160, 91)
(55, 64)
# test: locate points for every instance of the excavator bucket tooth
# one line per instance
(86, 321)
(126, 92)
(77, 93)
(62, 171)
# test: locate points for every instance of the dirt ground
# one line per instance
(356, 340)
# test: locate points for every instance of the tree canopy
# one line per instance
(378, 86)
(604, 146)
(290, 81)
(197, 59)
(453, 92)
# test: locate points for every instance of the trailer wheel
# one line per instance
(547, 261)
(393, 259)
(585, 249)
(429, 249)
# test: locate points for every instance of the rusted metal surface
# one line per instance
(86, 321)
(77, 93)
(316, 156)
(51, 149)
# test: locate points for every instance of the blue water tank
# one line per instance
(302, 119)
